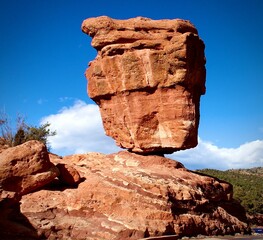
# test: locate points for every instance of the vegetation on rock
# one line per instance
(23, 131)
(247, 184)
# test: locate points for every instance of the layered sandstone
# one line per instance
(129, 196)
(147, 80)
(118, 196)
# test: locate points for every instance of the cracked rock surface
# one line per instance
(147, 79)
(128, 196)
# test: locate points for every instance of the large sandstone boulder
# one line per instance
(147, 80)
(25, 168)
(129, 196)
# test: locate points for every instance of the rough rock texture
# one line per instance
(147, 80)
(68, 174)
(23, 169)
(129, 196)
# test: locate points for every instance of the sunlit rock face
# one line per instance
(127, 196)
(25, 168)
(147, 79)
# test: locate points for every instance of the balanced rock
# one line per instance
(130, 196)
(147, 80)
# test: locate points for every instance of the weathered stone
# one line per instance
(68, 174)
(130, 196)
(147, 80)
(25, 168)
(14, 225)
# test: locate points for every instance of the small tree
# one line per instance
(19, 137)
(23, 132)
(21, 127)
(6, 129)
(40, 133)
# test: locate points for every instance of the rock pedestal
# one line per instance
(147, 79)
(129, 196)
(119, 196)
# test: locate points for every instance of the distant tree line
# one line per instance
(247, 185)
(23, 131)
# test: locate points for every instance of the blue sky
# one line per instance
(43, 56)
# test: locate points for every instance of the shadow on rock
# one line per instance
(14, 225)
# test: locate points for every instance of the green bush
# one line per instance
(19, 137)
(23, 132)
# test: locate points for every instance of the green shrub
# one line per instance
(23, 132)
(19, 137)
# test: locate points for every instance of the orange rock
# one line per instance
(147, 80)
(68, 174)
(25, 168)
(130, 196)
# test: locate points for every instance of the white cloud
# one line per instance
(208, 155)
(79, 130)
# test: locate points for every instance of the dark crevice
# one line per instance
(148, 90)
(57, 185)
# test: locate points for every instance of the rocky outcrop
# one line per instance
(117, 196)
(23, 169)
(147, 80)
(68, 174)
(129, 196)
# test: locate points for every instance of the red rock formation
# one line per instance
(68, 174)
(129, 196)
(23, 169)
(147, 80)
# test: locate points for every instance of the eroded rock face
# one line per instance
(25, 168)
(147, 80)
(129, 196)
